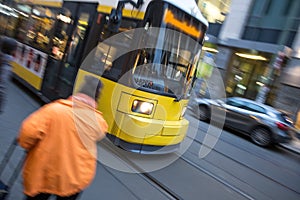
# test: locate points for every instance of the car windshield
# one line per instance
(235, 102)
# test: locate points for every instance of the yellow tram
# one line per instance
(145, 53)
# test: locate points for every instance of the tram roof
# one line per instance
(189, 6)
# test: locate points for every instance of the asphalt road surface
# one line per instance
(223, 166)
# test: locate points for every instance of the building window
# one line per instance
(287, 8)
(261, 35)
(245, 76)
(251, 33)
(290, 38)
(267, 7)
(269, 36)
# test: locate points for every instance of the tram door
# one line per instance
(70, 38)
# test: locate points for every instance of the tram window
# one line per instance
(9, 19)
(126, 24)
(163, 71)
(169, 66)
(31, 25)
(106, 60)
(21, 31)
(74, 50)
(39, 27)
(171, 54)
(60, 37)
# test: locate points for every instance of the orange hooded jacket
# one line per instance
(297, 124)
(61, 141)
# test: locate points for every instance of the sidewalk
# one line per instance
(107, 184)
(18, 106)
(294, 146)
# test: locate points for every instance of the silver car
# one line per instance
(264, 124)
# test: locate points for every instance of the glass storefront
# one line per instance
(246, 74)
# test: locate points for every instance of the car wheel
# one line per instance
(261, 136)
(203, 113)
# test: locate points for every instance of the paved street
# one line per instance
(152, 56)
(234, 169)
(294, 146)
(108, 183)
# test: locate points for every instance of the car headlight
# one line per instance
(142, 107)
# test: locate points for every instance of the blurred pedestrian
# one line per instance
(263, 93)
(297, 124)
(60, 139)
(8, 47)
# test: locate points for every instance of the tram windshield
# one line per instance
(166, 71)
(160, 53)
(168, 62)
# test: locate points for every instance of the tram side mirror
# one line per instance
(115, 19)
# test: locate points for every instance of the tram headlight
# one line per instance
(142, 107)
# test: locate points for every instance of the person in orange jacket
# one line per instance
(297, 124)
(60, 139)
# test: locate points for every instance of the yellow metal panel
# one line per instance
(156, 140)
(126, 100)
(297, 124)
(168, 109)
(140, 126)
(163, 140)
(104, 102)
(32, 79)
(133, 14)
(178, 129)
(50, 3)
(126, 13)
(152, 132)
(104, 9)
(159, 130)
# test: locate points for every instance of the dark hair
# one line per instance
(8, 45)
(91, 86)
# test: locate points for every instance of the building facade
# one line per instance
(257, 46)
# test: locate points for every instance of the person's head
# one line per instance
(8, 46)
(91, 86)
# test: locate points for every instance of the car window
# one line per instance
(254, 108)
(235, 103)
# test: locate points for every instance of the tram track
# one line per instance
(259, 154)
(141, 172)
(241, 148)
(217, 178)
(159, 185)
(169, 191)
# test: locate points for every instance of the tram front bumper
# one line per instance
(152, 132)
